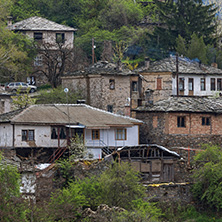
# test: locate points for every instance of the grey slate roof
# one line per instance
(185, 104)
(39, 24)
(186, 66)
(103, 68)
(53, 114)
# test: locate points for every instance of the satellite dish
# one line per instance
(66, 90)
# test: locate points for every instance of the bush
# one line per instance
(207, 188)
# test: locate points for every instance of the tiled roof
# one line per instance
(39, 24)
(185, 66)
(103, 68)
(185, 104)
(78, 114)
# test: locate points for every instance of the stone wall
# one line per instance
(160, 82)
(161, 128)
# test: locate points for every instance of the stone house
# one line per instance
(193, 79)
(47, 34)
(182, 122)
(106, 86)
(50, 127)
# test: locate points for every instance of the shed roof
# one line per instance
(185, 66)
(185, 104)
(103, 68)
(57, 114)
(39, 24)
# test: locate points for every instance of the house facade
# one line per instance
(48, 36)
(107, 86)
(182, 122)
(52, 126)
(191, 79)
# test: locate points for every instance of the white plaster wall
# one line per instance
(107, 138)
(42, 137)
(196, 79)
(6, 132)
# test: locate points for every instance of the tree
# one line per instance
(22, 100)
(184, 17)
(207, 188)
(12, 207)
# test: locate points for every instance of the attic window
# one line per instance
(60, 37)
(181, 121)
(202, 84)
(38, 36)
(181, 84)
(205, 121)
(111, 84)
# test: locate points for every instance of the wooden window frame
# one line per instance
(95, 134)
(190, 84)
(212, 84)
(181, 121)
(27, 135)
(202, 84)
(181, 84)
(60, 37)
(206, 121)
(219, 84)
(120, 132)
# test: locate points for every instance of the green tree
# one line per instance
(12, 207)
(184, 17)
(22, 100)
(207, 188)
(57, 95)
(120, 186)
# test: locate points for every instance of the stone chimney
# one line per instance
(214, 64)
(147, 63)
(9, 22)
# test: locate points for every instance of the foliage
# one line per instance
(143, 211)
(207, 188)
(77, 149)
(12, 207)
(66, 204)
(184, 17)
(22, 100)
(57, 95)
(120, 185)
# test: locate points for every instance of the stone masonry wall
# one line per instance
(161, 128)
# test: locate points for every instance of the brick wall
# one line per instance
(161, 128)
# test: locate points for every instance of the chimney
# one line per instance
(9, 22)
(214, 64)
(147, 63)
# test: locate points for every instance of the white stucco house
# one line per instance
(49, 127)
(186, 77)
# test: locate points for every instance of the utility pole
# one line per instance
(177, 73)
(93, 52)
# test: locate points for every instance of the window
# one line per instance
(202, 84)
(190, 84)
(121, 134)
(112, 84)
(62, 134)
(60, 37)
(27, 135)
(38, 36)
(95, 134)
(205, 121)
(219, 84)
(134, 86)
(54, 134)
(212, 84)
(110, 108)
(181, 121)
(159, 83)
(181, 84)
(38, 60)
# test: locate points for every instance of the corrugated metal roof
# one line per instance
(185, 104)
(78, 114)
(39, 24)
